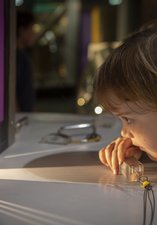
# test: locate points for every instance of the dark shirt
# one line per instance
(25, 93)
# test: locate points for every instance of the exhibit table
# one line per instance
(43, 183)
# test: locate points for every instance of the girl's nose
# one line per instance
(126, 133)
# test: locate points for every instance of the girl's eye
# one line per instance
(129, 121)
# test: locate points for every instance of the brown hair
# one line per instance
(130, 72)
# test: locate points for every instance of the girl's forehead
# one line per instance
(113, 103)
(120, 107)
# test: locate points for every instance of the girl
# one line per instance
(126, 85)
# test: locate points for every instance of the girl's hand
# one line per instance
(115, 153)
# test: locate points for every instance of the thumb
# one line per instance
(133, 151)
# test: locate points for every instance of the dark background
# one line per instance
(62, 69)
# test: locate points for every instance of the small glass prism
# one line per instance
(132, 169)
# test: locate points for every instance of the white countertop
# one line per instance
(65, 184)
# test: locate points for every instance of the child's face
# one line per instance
(138, 124)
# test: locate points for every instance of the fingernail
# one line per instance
(115, 172)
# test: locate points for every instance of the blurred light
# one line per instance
(81, 101)
(115, 2)
(87, 96)
(19, 2)
(49, 35)
(37, 28)
(64, 21)
(98, 110)
(115, 44)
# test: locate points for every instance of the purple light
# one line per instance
(1, 61)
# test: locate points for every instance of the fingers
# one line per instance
(108, 155)
(121, 149)
(115, 153)
(102, 156)
(105, 154)
(133, 151)
(114, 160)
